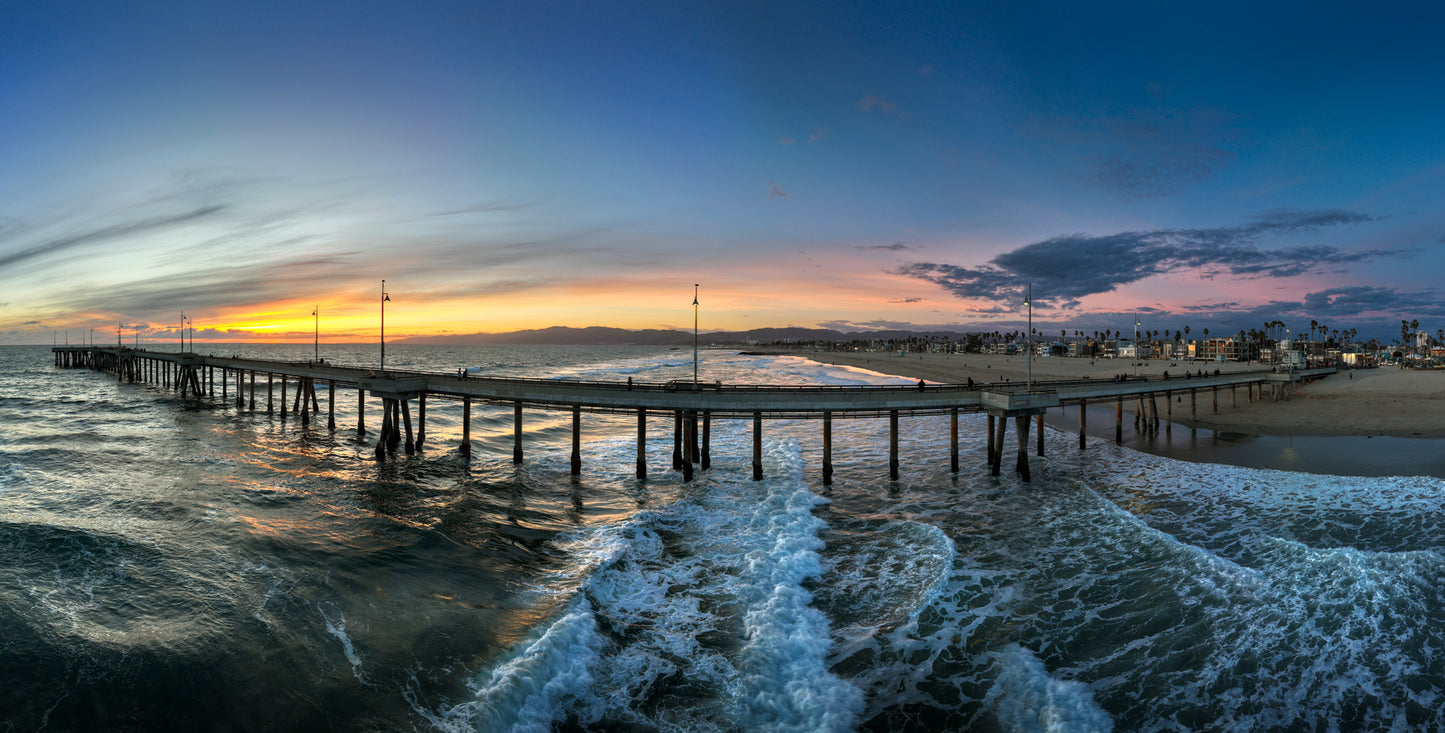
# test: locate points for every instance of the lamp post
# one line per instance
(316, 342)
(1029, 357)
(694, 336)
(183, 332)
(385, 298)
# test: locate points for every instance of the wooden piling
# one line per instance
(420, 420)
(706, 440)
(1083, 421)
(253, 390)
(331, 404)
(406, 421)
(827, 448)
(996, 464)
(757, 445)
(517, 433)
(1022, 423)
(270, 392)
(953, 440)
(361, 412)
(576, 440)
(1119, 421)
(466, 446)
(641, 444)
(393, 441)
(385, 430)
(1041, 433)
(893, 444)
(677, 440)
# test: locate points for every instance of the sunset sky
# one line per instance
(510, 165)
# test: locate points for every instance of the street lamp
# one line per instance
(317, 341)
(1029, 359)
(183, 332)
(385, 298)
(694, 336)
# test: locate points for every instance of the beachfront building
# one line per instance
(1217, 349)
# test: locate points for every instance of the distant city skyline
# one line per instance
(507, 166)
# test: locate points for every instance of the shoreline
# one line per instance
(1370, 402)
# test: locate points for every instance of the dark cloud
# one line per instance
(1065, 269)
(905, 300)
(775, 192)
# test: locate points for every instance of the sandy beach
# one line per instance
(1384, 401)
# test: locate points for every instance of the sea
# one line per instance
(182, 564)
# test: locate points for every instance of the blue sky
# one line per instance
(854, 166)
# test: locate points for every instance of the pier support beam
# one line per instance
(576, 441)
(1022, 466)
(1040, 426)
(393, 441)
(827, 448)
(466, 446)
(406, 421)
(1119, 421)
(253, 390)
(1214, 395)
(283, 397)
(677, 440)
(996, 459)
(270, 392)
(757, 446)
(1083, 421)
(361, 412)
(517, 433)
(893, 444)
(953, 440)
(641, 444)
(706, 440)
(420, 420)
(331, 405)
(1193, 405)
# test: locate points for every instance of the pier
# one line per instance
(689, 406)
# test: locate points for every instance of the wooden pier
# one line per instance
(690, 406)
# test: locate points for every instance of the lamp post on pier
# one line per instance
(1029, 357)
(183, 332)
(316, 342)
(385, 298)
(694, 336)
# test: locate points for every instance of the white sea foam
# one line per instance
(689, 617)
(1029, 700)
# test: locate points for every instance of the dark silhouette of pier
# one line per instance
(691, 405)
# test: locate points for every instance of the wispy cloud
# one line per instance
(786, 140)
(107, 233)
(1065, 269)
(891, 247)
(818, 134)
(873, 101)
(1149, 152)
(775, 192)
(905, 300)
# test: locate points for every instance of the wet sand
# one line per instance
(1386, 401)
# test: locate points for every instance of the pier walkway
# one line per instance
(692, 406)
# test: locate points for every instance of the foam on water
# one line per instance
(687, 617)
(1027, 699)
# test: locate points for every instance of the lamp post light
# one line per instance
(694, 336)
(385, 298)
(1029, 357)
(183, 332)
(316, 343)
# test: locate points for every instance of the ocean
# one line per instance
(185, 565)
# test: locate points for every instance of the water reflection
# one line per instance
(1355, 455)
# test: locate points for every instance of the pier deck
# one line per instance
(685, 401)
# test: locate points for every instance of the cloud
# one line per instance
(775, 192)
(1149, 152)
(102, 234)
(873, 101)
(492, 207)
(786, 141)
(905, 300)
(818, 134)
(894, 247)
(1067, 268)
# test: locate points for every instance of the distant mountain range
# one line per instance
(603, 336)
